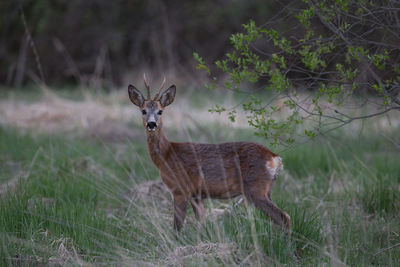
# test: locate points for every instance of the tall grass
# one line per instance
(69, 199)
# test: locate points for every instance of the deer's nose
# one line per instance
(152, 125)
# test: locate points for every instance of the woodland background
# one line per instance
(103, 42)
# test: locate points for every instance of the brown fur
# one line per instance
(193, 172)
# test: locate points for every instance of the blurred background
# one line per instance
(106, 43)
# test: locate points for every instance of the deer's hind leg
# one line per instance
(198, 208)
(258, 193)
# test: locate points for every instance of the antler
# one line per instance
(159, 90)
(147, 86)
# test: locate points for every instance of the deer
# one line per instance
(193, 172)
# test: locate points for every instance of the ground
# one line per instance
(77, 187)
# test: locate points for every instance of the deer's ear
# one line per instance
(135, 96)
(168, 96)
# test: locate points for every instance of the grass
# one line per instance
(70, 199)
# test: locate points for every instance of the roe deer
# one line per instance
(194, 171)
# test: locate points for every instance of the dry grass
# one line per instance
(98, 113)
(225, 252)
(55, 114)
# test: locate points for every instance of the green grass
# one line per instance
(78, 179)
(72, 202)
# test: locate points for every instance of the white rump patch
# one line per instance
(274, 166)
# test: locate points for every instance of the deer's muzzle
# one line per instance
(151, 126)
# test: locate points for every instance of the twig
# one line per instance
(397, 145)
(388, 248)
(31, 43)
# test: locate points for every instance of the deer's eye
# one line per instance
(160, 112)
(144, 112)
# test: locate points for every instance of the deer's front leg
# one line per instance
(179, 212)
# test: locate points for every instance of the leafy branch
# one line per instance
(335, 52)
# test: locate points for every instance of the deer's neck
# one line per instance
(158, 146)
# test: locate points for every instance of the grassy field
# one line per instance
(77, 187)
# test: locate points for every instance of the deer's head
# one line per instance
(152, 109)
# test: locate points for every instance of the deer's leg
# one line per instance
(179, 212)
(261, 200)
(198, 208)
(269, 191)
